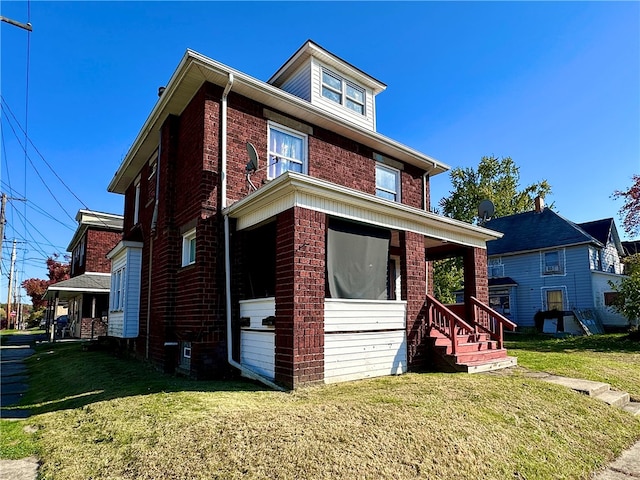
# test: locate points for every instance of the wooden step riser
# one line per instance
(468, 347)
(481, 337)
(488, 355)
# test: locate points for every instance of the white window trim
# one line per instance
(548, 270)
(343, 91)
(118, 289)
(187, 237)
(136, 206)
(305, 147)
(397, 173)
(562, 289)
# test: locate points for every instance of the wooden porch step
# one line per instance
(484, 366)
(445, 346)
(476, 357)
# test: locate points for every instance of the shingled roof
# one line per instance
(535, 231)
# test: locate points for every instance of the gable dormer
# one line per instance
(327, 81)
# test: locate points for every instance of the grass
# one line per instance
(102, 417)
(612, 359)
(16, 443)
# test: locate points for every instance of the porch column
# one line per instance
(300, 291)
(414, 287)
(476, 281)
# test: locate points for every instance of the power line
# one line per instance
(38, 173)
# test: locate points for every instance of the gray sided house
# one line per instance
(545, 262)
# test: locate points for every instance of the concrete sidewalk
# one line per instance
(625, 467)
(13, 385)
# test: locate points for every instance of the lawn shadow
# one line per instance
(64, 376)
(611, 343)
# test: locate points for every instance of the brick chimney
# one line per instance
(539, 202)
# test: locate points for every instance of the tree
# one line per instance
(35, 287)
(495, 179)
(630, 211)
(627, 300)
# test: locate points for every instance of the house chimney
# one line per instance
(539, 201)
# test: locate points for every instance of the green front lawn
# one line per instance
(102, 417)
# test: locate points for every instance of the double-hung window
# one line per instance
(118, 289)
(341, 91)
(553, 262)
(287, 151)
(189, 248)
(387, 182)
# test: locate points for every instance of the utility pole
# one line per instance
(13, 263)
(3, 207)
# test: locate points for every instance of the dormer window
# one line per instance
(341, 91)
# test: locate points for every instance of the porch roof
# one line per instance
(99, 283)
(296, 190)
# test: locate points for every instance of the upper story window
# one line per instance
(287, 151)
(189, 248)
(387, 182)
(82, 250)
(136, 205)
(496, 268)
(553, 262)
(341, 91)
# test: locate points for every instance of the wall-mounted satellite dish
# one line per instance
(486, 209)
(252, 164)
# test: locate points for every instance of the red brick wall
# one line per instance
(99, 243)
(189, 303)
(300, 285)
(413, 291)
(476, 281)
(99, 328)
(332, 157)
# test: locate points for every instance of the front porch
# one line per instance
(330, 284)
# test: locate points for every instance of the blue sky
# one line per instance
(554, 85)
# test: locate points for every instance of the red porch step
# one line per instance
(474, 353)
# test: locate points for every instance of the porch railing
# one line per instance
(447, 322)
(487, 320)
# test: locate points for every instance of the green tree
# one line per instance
(495, 179)
(627, 300)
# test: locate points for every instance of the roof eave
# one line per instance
(196, 69)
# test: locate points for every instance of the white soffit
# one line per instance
(196, 69)
(296, 190)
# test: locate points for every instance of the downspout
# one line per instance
(425, 176)
(154, 224)
(227, 253)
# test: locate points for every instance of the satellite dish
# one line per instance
(252, 164)
(486, 209)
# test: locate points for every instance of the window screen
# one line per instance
(357, 260)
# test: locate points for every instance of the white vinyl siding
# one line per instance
(124, 322)
(257, 341)
(366, 120)
(364, 339)
(299, 84)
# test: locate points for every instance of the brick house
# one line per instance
(86, 293)
(270, 228)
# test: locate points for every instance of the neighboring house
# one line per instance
(544, 262)
(309, 266)
(86, 293)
